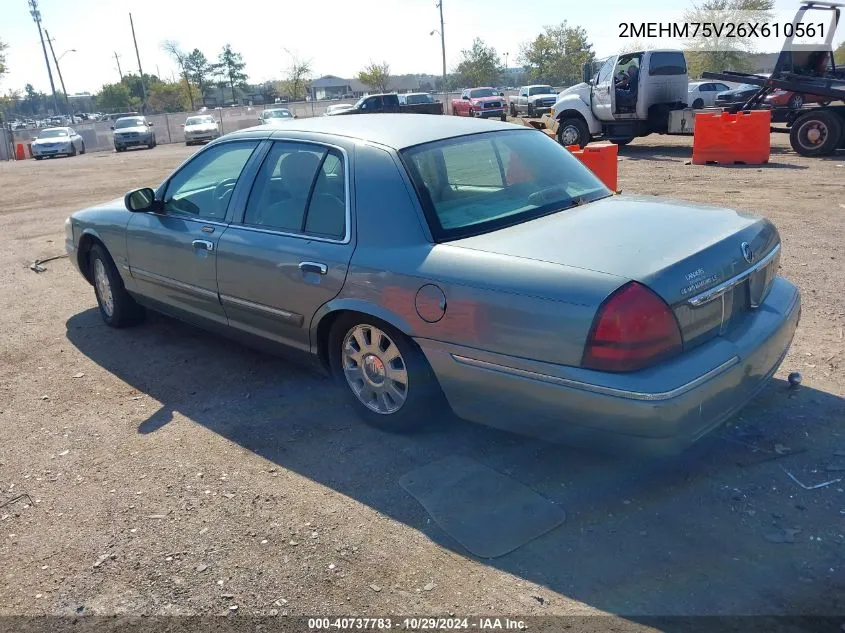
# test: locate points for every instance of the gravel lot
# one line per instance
(169, 471)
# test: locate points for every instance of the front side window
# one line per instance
(605, 71)
(202, 188)
(667, 63)
(300, 188)
(475, 184)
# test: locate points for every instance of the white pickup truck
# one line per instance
(654, 102)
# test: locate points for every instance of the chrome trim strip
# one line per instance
(172, 283)
(291, 317)
(607, 391)
(716, 291)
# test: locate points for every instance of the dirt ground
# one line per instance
(169, 471)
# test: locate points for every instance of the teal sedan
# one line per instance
(430, 264)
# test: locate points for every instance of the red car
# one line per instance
(480, 102)
(793, 100)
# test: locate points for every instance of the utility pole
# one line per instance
(36, 16)
(58, 70)
(119, 72)
(140, 71)
(442, 42)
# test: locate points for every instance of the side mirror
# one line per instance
(140, 200)
(112, 127)
(150, 124)
(501, 94)
(465, 98)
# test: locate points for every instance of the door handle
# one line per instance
(313, 267)
(203, 244)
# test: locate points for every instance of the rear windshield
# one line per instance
(667, 64)
(121, 123)
(412, 99)
(475, 184)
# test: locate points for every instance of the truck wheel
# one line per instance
(816, 133)
(530, 111)
(573, 132)
(514, 113)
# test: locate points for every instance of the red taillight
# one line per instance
(633, 329)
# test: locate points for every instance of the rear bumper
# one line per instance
(664, 409)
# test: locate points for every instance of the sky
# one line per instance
(339, 36)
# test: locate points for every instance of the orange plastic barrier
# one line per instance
(725, 138)
(602, 159)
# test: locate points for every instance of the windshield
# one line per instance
(199, 120)
(541, 90)
(122, 123)
(483, 92)
(276, 114)
(484, 182)
(52, 133)
(412, 99)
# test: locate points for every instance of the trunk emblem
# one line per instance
(747, 253)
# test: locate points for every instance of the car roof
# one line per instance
(58, 127)
(131, 116)
(538, 86)
(397, 131)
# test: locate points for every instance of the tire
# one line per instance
(117, 308)
(530, 111)
(38, 157)
(72, 150)
(151, 145)
(188, 143)
(816, 133)
(504, 117)
(82, 149)
(575, 130)
(423, 399)
(795, 102)
(697, 104)
(118, 149)
(514, 113)
(825, 103)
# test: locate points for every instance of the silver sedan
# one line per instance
(57, 141)
(456, 263)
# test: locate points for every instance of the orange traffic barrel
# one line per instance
(602, 159)
(20, 153)
(727, 139)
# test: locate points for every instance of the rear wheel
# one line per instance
(816, 133)
(117, 307)
(530, 111)
(385, 377)
(82, 148)
(72, 150)
(514, 113)
(573, 131)
(795, 101)
(697, 104)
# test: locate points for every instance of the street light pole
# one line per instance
(59, 70)
(36, 16)
(443, 50)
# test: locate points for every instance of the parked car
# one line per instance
(389, 103)
(702, 94)
(533, 101)
(133, 131)
(203, 127)
(57, 141)
(340, 107)
(481, 103)
(740, 94)
(793, 100)
(506, 282)
(273, 116)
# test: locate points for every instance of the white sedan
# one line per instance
(702, 94)
(201, 128)
(337, 108)
(56, 141)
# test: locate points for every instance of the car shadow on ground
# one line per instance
(699, 534)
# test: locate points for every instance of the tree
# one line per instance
(230, 69)
(721, 53)
(33, 100)
(168, 97)
(200, 71)
(480, 65)
(3, 68)
(116, 97)
(181, 59)
(376, 76)
(9, 102)
(298, 75)
(557, 54)
(839, 55)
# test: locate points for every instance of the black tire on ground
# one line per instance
(38, 157)
(816, 133)
(82, 149)
(424, 400)
(72, 150)
(514, 113)
(188, 143)
(504, 116)
(575, 128)
(698, 103)
(124, 311)
(530, 109)
(151, 145)
(825, 103)
(118, 149)
(795, 101)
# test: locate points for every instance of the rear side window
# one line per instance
(667, 64)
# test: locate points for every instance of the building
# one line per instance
(334, 87)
